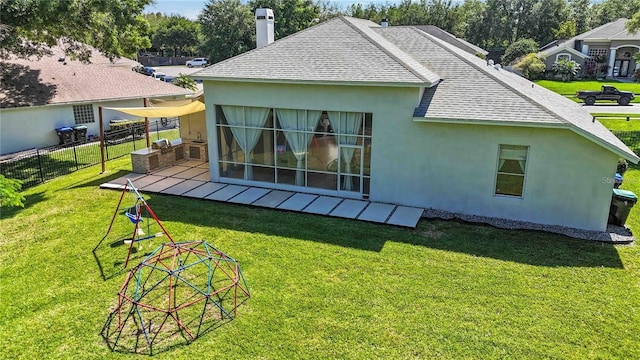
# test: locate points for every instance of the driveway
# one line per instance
(613, 108)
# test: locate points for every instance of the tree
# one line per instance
(531, 66)
(290, 16)
(31, 28)
(178, 34)
(518, 49)
(580, 14)
(633, 25)
(10, 192)
(567, 69)
(610, 10)
(184, 81)
(228, 29)
(566, 30)
(548, 17)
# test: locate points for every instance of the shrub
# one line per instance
(519, 49)
(567, 69)
(10, 192)
(532, 66)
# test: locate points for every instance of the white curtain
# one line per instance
(298, 127)
(243, 121)
(349, 123)
(520, 155)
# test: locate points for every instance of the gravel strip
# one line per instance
(613, 234)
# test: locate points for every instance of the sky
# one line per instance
(191, 8)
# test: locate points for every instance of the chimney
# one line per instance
(264, 27)
(384, 22)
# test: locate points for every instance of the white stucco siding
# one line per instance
(456, 165)
(385, 104)
(34, 127)
(448, 166)
(27, 128)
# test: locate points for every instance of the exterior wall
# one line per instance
(27, 128)
(446, 166)
(193, 127)
(564, 184)
(550, 59)
(34, 127)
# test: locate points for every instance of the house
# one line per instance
(612, 43)
(40, 95)
(397, 115)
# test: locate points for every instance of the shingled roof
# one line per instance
(615, 30)
(355, 51)
(48, 81)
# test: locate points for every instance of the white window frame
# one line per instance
(524, 175)
(563, 55)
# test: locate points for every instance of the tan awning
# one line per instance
(159, 112)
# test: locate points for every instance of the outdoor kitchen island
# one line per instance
(162, 153)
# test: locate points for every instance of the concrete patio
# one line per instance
(191, 179)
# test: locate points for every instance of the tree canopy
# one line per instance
(32, 27)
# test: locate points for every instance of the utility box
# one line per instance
(621, 203)
(65, 134)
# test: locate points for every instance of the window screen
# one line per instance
(512, 161)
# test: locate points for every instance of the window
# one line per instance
(83, 114)
(565, 57)
(328, 150)
(512, 161)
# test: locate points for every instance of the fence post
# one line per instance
(75, 156)
(40, 166)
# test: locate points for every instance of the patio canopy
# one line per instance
(162, 111)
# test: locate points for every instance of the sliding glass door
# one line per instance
(296, 148)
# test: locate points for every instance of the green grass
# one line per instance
(569, 89)
(323, 288)
(618, 122)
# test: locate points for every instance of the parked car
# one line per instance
(607, 92)
(159, 76)
(197, 62)
(144, 70)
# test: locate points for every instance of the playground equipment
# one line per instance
(137, 221)
(176, 294)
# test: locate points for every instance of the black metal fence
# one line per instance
(630, 138)
(39, 165)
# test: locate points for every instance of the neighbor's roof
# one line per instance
(47, 81)
(354, 51)
(559, 49)
(615, 30)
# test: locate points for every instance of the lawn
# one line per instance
(323, 288)
(619, 122)
(569, 89)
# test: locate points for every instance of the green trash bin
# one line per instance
(621, 203)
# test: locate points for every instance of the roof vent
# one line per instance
(384, 22)
(497, 66)
(490, 62)
(264, 27)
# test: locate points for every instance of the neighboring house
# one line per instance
(399, 116)
(610, 41)
(37, 96)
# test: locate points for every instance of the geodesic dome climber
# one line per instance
(176, 294)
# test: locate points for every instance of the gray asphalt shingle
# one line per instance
(356, 51)
(335, 51)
